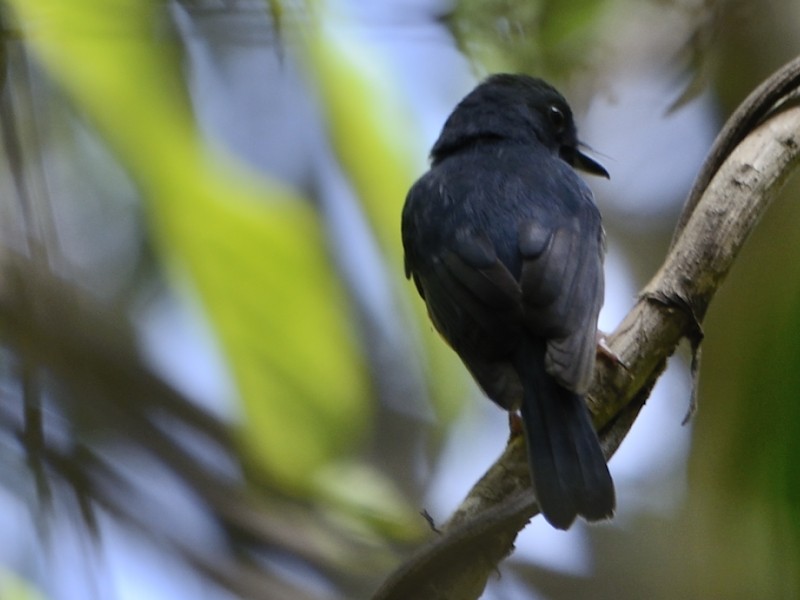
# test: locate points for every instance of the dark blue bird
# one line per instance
(505, 245)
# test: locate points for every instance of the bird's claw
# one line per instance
(604, 350)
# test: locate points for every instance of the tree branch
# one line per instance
(753, 110)
(744, 173)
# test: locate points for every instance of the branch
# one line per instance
(745, 171)
(752, 111)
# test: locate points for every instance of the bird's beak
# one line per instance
(579, 160)
(584, 163)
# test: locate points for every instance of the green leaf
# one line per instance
(13, 587)
(547, 38)
(252, 249)
(372, 134)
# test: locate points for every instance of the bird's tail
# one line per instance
(569, 471)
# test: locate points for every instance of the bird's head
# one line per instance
(515, 107)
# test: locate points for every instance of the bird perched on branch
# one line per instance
(505, 246)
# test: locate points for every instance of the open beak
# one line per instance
(580, 161)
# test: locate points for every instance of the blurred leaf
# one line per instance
(697, 56)
(372, 499)
(371, 133)
(745, 462)
(541, 37)
(13, 587)
(766, 473)
(253, 250)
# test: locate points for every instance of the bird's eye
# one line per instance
(557, 117)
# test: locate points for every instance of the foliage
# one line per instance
(544, 37)
(304, 470)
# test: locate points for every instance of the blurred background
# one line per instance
(216, 382)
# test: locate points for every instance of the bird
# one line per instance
(505, 245)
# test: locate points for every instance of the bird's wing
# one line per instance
(475, 303)
(562, 292)
(469, 277)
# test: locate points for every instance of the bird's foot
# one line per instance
(604, 350)
(515, 427)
